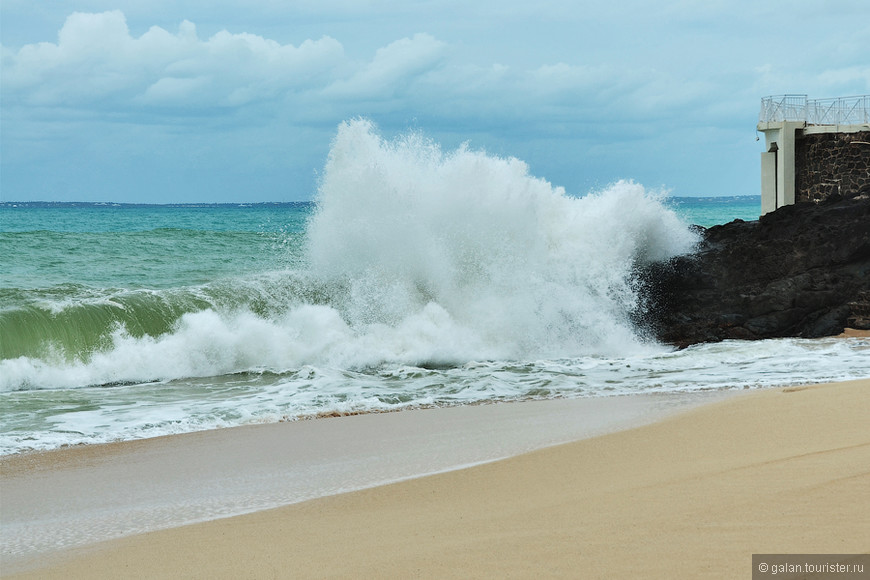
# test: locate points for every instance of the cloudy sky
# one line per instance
(238, 100)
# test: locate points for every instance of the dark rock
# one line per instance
(859, 312)
(801, 271)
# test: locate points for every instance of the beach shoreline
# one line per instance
(654, 493)
(76, 496)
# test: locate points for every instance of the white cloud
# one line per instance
(174, 90)
(97, 62)
(567, 86)
(97, 65)
(831, 82)
(842, 79)
(393, 68)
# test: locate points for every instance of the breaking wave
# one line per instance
(412, 255)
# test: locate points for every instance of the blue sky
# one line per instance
(194, 100)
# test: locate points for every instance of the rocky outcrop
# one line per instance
(802, 271)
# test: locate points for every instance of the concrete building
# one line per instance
(813, 149)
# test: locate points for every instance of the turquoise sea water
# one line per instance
(712, 211)
(165, 246)
(418, 278)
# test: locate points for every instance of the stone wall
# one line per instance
(828, 164)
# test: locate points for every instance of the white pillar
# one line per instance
(777, 164)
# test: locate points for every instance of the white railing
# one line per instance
(780, 108)
(838, 111)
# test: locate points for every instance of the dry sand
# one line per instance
(695, 495)
(854, 333)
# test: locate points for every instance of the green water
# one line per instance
(74, 274)
(120, 322)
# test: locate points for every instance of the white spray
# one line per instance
(418, 257)
(483, 259)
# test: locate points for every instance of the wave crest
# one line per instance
(414, 256)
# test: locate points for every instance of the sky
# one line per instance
(157, 101)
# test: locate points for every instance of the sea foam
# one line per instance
(515, 266)
(413, 256)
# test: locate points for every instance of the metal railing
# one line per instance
(780, 108)
(838, 111)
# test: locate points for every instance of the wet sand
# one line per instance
(692, 495)
(81, 495)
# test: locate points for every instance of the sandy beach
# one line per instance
(694, 494)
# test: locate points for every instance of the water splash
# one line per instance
(414, 256)
(517, 267)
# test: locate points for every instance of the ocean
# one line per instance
(416, 277)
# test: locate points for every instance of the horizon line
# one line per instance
(193, 204)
